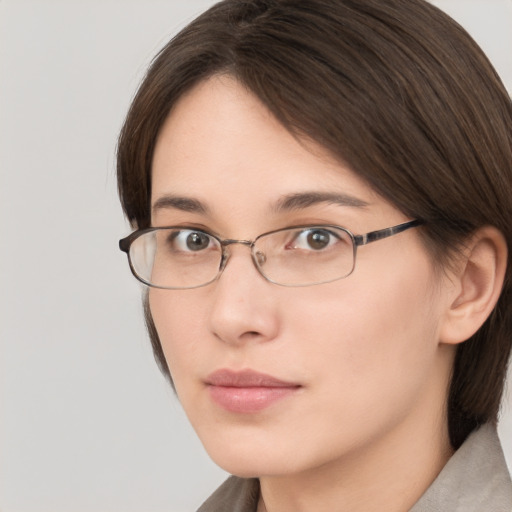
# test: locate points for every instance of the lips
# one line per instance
(247, 391)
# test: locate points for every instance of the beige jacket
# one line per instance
(475, 479)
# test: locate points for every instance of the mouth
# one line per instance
(247, 391)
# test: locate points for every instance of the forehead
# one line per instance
(221, 146)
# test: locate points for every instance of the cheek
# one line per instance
(179, 321)
(373, 336)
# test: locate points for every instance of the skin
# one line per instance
(366, 430)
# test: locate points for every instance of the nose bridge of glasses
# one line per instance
(258, 257)
(230, 241)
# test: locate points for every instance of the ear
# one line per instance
(477, 285)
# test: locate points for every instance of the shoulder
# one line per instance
(235, 494)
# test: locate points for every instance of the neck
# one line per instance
(391, 478)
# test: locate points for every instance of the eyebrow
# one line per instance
(185, 204)
(302, 200)
(290, 202)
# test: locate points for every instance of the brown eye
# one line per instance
(197, 241)
(314, 239)
(318, 239)
(190, 241)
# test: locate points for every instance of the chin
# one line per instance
(247, 457)
(240, 467)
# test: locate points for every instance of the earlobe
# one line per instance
(478, 284)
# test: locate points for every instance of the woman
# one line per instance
(321, 197)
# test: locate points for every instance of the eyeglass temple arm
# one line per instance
(124, 243)
(373, 236)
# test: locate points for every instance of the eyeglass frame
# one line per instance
(357, 241)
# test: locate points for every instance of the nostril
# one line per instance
(250, 336)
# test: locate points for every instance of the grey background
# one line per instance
(87, 423)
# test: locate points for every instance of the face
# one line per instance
(281, 380)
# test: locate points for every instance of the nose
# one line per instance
(244, 307)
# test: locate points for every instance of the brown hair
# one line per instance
(395, 89)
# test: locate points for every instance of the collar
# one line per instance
(476, 478)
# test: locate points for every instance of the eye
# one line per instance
(315, 239)
(187, 240)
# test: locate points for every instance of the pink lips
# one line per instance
(247, 391)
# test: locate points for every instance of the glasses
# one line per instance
(178, 258)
